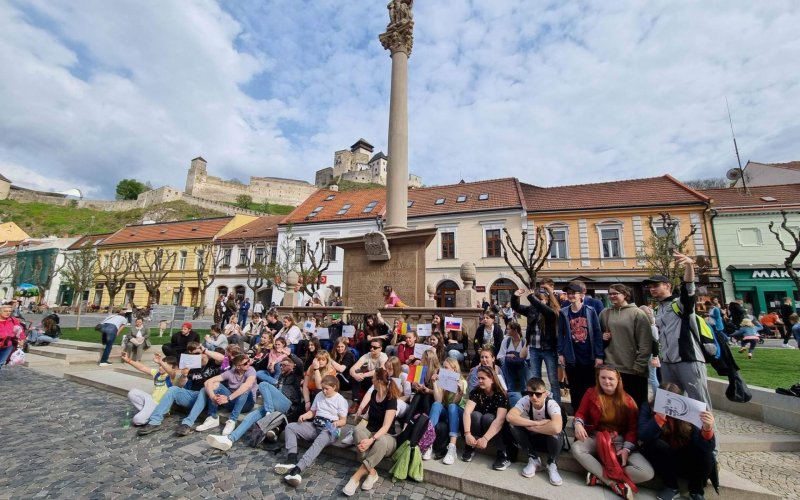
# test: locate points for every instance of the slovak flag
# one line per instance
(416, 373)
(452, 324)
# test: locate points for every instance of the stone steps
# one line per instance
(109, 380)
(67, 355)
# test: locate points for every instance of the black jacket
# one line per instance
(533, 313)
(481, 340)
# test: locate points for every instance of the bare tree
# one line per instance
(312, 268)
(657, 252)
(78, 273)
(112, 271)
(151, 267)
(530, 256)
(709, 183)
(792, 249)
(209, 258)
(309, 264)
(255, 265)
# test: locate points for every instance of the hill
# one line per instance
(42, 219)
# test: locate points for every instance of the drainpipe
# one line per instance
(714, 214)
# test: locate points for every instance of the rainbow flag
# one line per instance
(404, 328)
(416, 373)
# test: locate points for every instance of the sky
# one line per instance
(553, 93)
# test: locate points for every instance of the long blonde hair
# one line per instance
(431, 361)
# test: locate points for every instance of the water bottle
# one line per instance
(126, 422)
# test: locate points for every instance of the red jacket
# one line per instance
(404, 352)
(589, 415)
(7, 331)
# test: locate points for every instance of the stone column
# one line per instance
(398, 39)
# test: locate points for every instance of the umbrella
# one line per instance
(27, 290)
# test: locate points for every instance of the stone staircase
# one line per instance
(76, 361)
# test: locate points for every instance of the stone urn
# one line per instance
(468, 275)
(291, 280)
(430, 290)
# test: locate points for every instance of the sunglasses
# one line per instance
(374, 347)
(534, 393)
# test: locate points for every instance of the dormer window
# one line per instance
(410, 204)
(439, 201)
(315, 211)
(344, 209)
(330, 197)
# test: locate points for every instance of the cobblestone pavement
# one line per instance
(777, 472)
(64, 440)
(730, 423)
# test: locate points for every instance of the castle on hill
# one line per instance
(359, 164)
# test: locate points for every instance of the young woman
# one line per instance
(291, 333)
(397, 339)
(485, 416)
(541, 332)
(400, 379)
(46, 333)
(362, 372)
(508, 313)
(342, 360)
(455, 344)
(486, 358)
(374, 328)
(606, 410)
(312, 350)
(391, 299)
(320, 368)
(513, 356)
(489, 334)
(748, 333)
(405, 350)
(422, 397)
(319, 425)
(451, 405)
(277, 354)
(437, 342)
(437, 324)
(677, 448)
(373, 441)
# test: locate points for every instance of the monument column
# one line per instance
(398, 39)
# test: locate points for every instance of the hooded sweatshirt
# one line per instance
(631, 338)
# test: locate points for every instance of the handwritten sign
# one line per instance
(424, 330)
(452, 324)
(322, 333)
(680, 407)
(448, 380)
(309, 326)
(419, 349)
(348, 331)
(190, 361)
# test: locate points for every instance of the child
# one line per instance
(391, 299)
(320, 424)
(749, 335)
(162, 380)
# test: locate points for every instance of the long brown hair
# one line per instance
(382, 377)
(496, 385)
(613, 406)
(336, 356)
(431, 361)
(676, 431)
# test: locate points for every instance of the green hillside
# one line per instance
(42, 219)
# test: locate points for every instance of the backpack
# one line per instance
(273, 421)
(566, 446)
(710, 343)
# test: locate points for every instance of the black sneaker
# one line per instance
(469, 454)
(502, 462)
(148, 429)
(183, 430)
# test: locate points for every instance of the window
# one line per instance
(370, 207)
(315, 211)
(273, 253)
(483, 196)
(493, 244)
(226, 258)
(610, 242)
(661, 231)
(182, 260)
(344, 209)
(410, 204)
(260, 254)
(130, 289)
(439, 201)
(461, 198)
(558, 250)
(300, 250)
(330, 197)
(328, 251)
(448, 245)
(749, 236)
(98, 294)
(244, 259)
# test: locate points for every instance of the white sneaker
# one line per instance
(348, 439)
(293, 479)
(426, 455)
(230, 425)
(283, 468)
(450, 458)
(219, 442)
(271, 437)
(534, 463)
(104, 364)
(787, 346)
(370, 481)
(210, 423)
(350, 488)
(555, 477)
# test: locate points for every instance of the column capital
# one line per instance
(399, 35)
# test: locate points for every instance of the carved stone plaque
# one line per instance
(377, 246)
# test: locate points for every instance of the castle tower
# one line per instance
(197, 174)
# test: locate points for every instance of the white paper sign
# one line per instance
(419, 349)
(348, 331)
(309, 326)
(448, 380)
(680, 407)
(190, 361)
(424, 330)
(322, 333)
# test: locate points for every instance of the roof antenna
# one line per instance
(735, 174)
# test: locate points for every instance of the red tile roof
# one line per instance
(265, 228)
(791, 165)
(89, 239)
(651, 191)
(759, 196)
(326, 205)
(200, 229)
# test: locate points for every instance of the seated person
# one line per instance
(319, 369)
(291, 333)
(135, 342)
(180, 340)
(187, 395)
(484, 418)
(267, 371)
(361, 373)
(342, 359)
(449, 405)
(677, 448)
(396, 340)
(400, 379)
(405, 350)
(486, 358)
(163, 377)
(46, 333)
(215, 339)
(607, 410)
(234, 390)
(536, 423)
(320, 426)
(437, 342)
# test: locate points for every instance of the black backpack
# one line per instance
(564, 419)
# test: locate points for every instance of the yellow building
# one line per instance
(599, 230)
(10, 231)
(171, 274)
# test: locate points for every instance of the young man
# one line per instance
(180, 340)
(110, 328)
(215, 339)
(536, 424)
(362, 372)
(234, 390)
(244, 310)
(187, 395)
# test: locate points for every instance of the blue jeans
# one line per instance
(454, 415)
(5, 352)
(550, 359)
(266, 376)
(652, 376)
(242, 319)
(109, 333)
(178, 395)
(236, 406)
(456, 354)
(514, 375)
(274, 400)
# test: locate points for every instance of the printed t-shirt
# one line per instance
(579, 334)
(524, 406)
(197, 376)
(488, 404)
(160, 383)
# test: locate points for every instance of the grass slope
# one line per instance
(769, 368)
(88, 334)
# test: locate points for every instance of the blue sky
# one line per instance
(552, 93)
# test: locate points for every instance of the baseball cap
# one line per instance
(575, 286)
(656, 278)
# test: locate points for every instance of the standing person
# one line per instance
(7, 335)
(536, 423)
(715, 320)
(580, 343)
(737, 311)
(180, 340)
(163, 377)
(109, 329)
(137, 340)
(508, 313)
(655, 363)
(794, 320)
(484, 417)
(786, 310)
(230, 309)
(219, 310)
(258, 308)
(513, 358)
(541, 332)
(605, 436)
(244, 310)
(627, 331)
(678, 449)
(682, 360)
(488, 333)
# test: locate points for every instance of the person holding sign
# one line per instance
(450, 399)
(605, 436)
(677, 448)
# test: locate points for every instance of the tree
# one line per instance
(657, 253)
(130, 189)
(309, 264)
(78, 273)
(151, 267)
(709, 183)
(8, 267)
(529, 256)
(792, 249)
(112, 272)
(255, 265)
(207, 253)
(244, 200)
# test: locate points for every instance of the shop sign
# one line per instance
(480, 288)
(771, 274)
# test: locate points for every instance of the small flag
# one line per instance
(404, 328)
(416, 373)
(452, 324)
